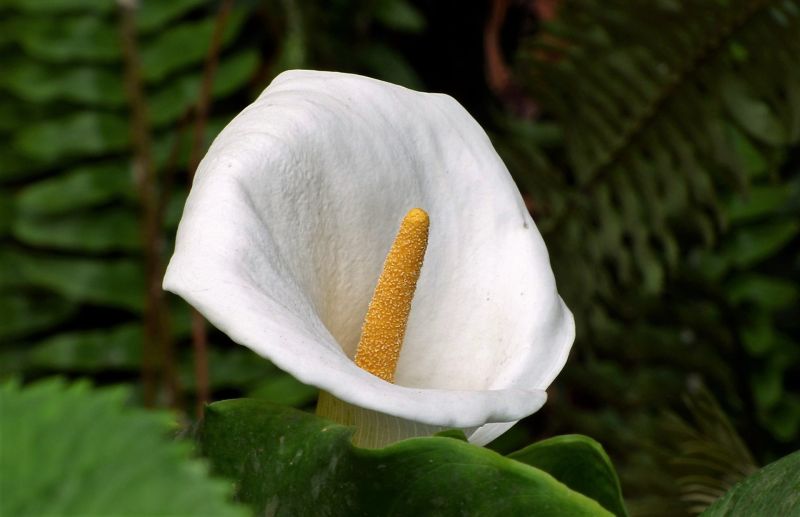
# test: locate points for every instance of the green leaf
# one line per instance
(758, 202)
(388, 64)
(14, 165)
(769, 293)
(25, 313)
(78, 451)
(399, 15)
(112, 229)
(753, 162)
(287, 462)
(580, 463)
(118, 348)
(154, 15)
(61, 6)
(784, 419)
(113, 282)
(767, 385)
(456, 434)
(67, 39)
(185, 45)
(756, 243)
(9, 31)
(773, 490)
(77, 189)
(34, 82)
(752, 113)
(283, 389)
(232, 368)
(85, 133)
(12, 111)
(6, 212)
(178, 96)
(710, 266)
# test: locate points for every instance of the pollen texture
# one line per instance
(387, 316)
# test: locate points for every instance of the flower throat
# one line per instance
(382, 337)
(387, 316)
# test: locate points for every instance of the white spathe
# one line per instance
(289, 221)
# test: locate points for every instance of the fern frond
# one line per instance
(660, 102)
(711, 456)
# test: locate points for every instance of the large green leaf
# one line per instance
(287, 462)
(580, 463)
(71, 450)
(773, 490)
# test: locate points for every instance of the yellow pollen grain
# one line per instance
(387, 316)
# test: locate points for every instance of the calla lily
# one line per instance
(289, 221)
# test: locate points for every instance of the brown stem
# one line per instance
(144, 170)
(199, 330)
(499, 77)
(175, 393)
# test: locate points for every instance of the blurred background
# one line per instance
(655, 142)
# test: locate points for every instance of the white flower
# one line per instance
(290, 218)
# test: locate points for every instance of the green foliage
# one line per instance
(286, 462)
(580, 463)
(177, 48)
(333, 38)
(76, 190)
(664, 182)
(117, 348)
(400, 15)
(71, 450)
(70, 210)
(708, 454)
(72, 239)
(28, 312)
(773, 490)
(658, 102)
(760, 293)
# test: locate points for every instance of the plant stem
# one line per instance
(145, 174)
